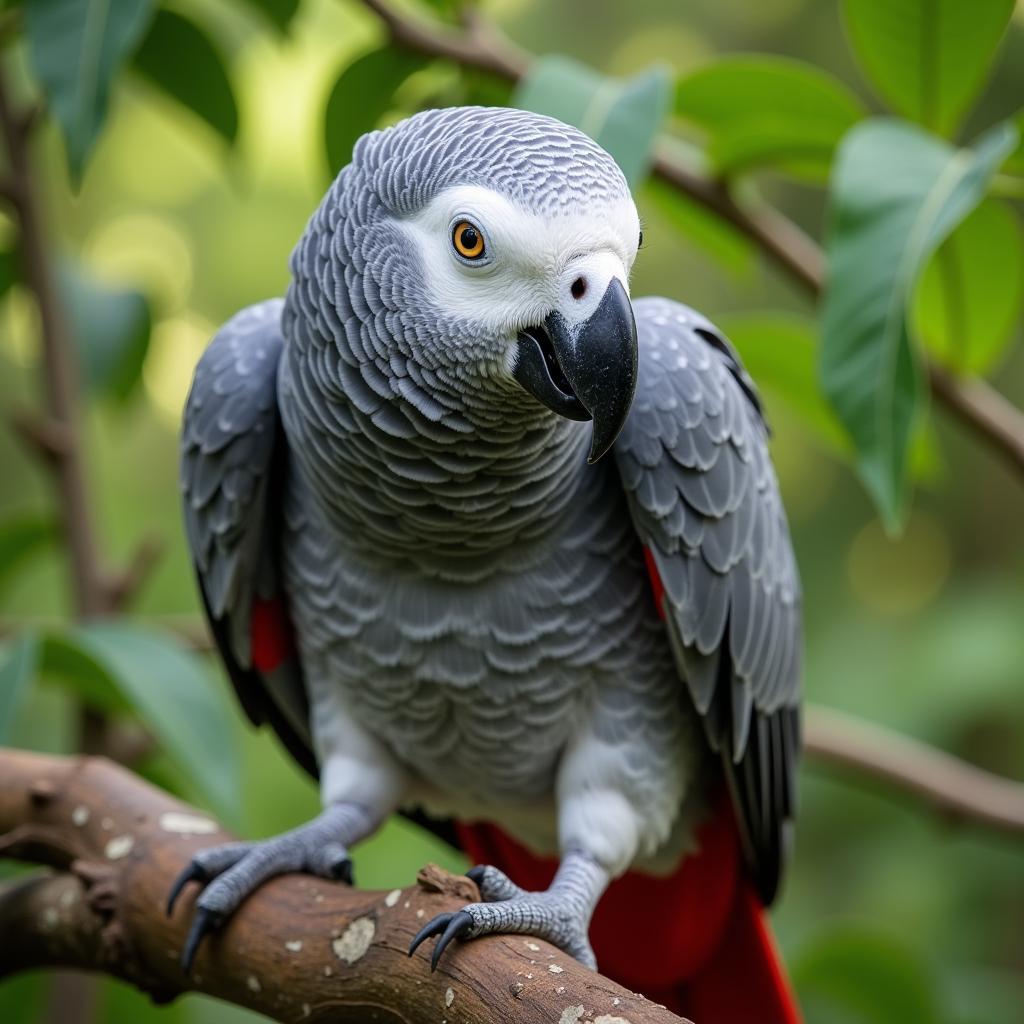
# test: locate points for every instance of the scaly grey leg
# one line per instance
(561, 915)
(233, 871)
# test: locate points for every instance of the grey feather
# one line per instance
(722, 548)
(229, 444)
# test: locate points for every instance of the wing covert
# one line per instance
(703, 495)
(232, 459)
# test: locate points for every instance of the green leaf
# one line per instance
(927, 58)
(172, 690)
(779, 350)
(362, 96)
(179, 57)
(896, 194)
(22, 537)
(63, 663)
(17, 670)
(773, 111)
(621, 114)
(279, 12)
(111, 329)
(76, 47)
(856, 976)
(970, 296)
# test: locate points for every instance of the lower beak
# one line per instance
(585, 371)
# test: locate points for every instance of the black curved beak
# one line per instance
(586, 372)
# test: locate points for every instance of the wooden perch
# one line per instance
(300, 949)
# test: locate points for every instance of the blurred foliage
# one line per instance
(927, 58)
(623, 116)
(111, 329)
(176, 190)
(179, 57)
(768, 111)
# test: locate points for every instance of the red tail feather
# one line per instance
(696, 940)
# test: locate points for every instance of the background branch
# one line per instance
(60, 377)
(300, 949)
(948, 784)
(481, 45)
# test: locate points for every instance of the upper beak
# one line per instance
(587, 370)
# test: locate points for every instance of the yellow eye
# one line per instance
(468, 240)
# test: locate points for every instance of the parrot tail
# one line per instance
(744, 981)
(697, 940)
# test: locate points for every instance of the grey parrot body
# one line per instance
(477, 634)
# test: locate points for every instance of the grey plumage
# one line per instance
(706, 504)
(470, 600)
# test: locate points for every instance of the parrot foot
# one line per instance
(233, 871)
(561, 915)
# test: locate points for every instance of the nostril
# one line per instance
(579, 288)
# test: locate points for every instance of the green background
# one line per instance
(890, 914)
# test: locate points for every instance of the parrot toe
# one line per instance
(231, 872)
(204, 865)
(203, 923)
(494, 885)
(511, 910)
(449, 926)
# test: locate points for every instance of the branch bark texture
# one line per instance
(482, 46)
(300, 949)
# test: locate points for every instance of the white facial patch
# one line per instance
(530, 263)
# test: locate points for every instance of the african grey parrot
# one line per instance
(421, 572)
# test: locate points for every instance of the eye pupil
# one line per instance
(468, 241)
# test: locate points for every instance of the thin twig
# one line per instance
(982, 410)
(483, 46)
(123, 587)
(46, 439)
(59, 370)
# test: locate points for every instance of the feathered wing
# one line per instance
(703, 495)
(232, 464)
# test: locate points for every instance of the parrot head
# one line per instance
(510, 238)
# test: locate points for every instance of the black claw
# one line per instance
(342, 871)
(459, 924)
(477, 873)
(434, 926)
(192, 873)
(203, 923)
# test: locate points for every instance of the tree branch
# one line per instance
(59, 371)
(300, 949)
(123, 586)
(948, 784)
(983, 410)
(481, 45)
